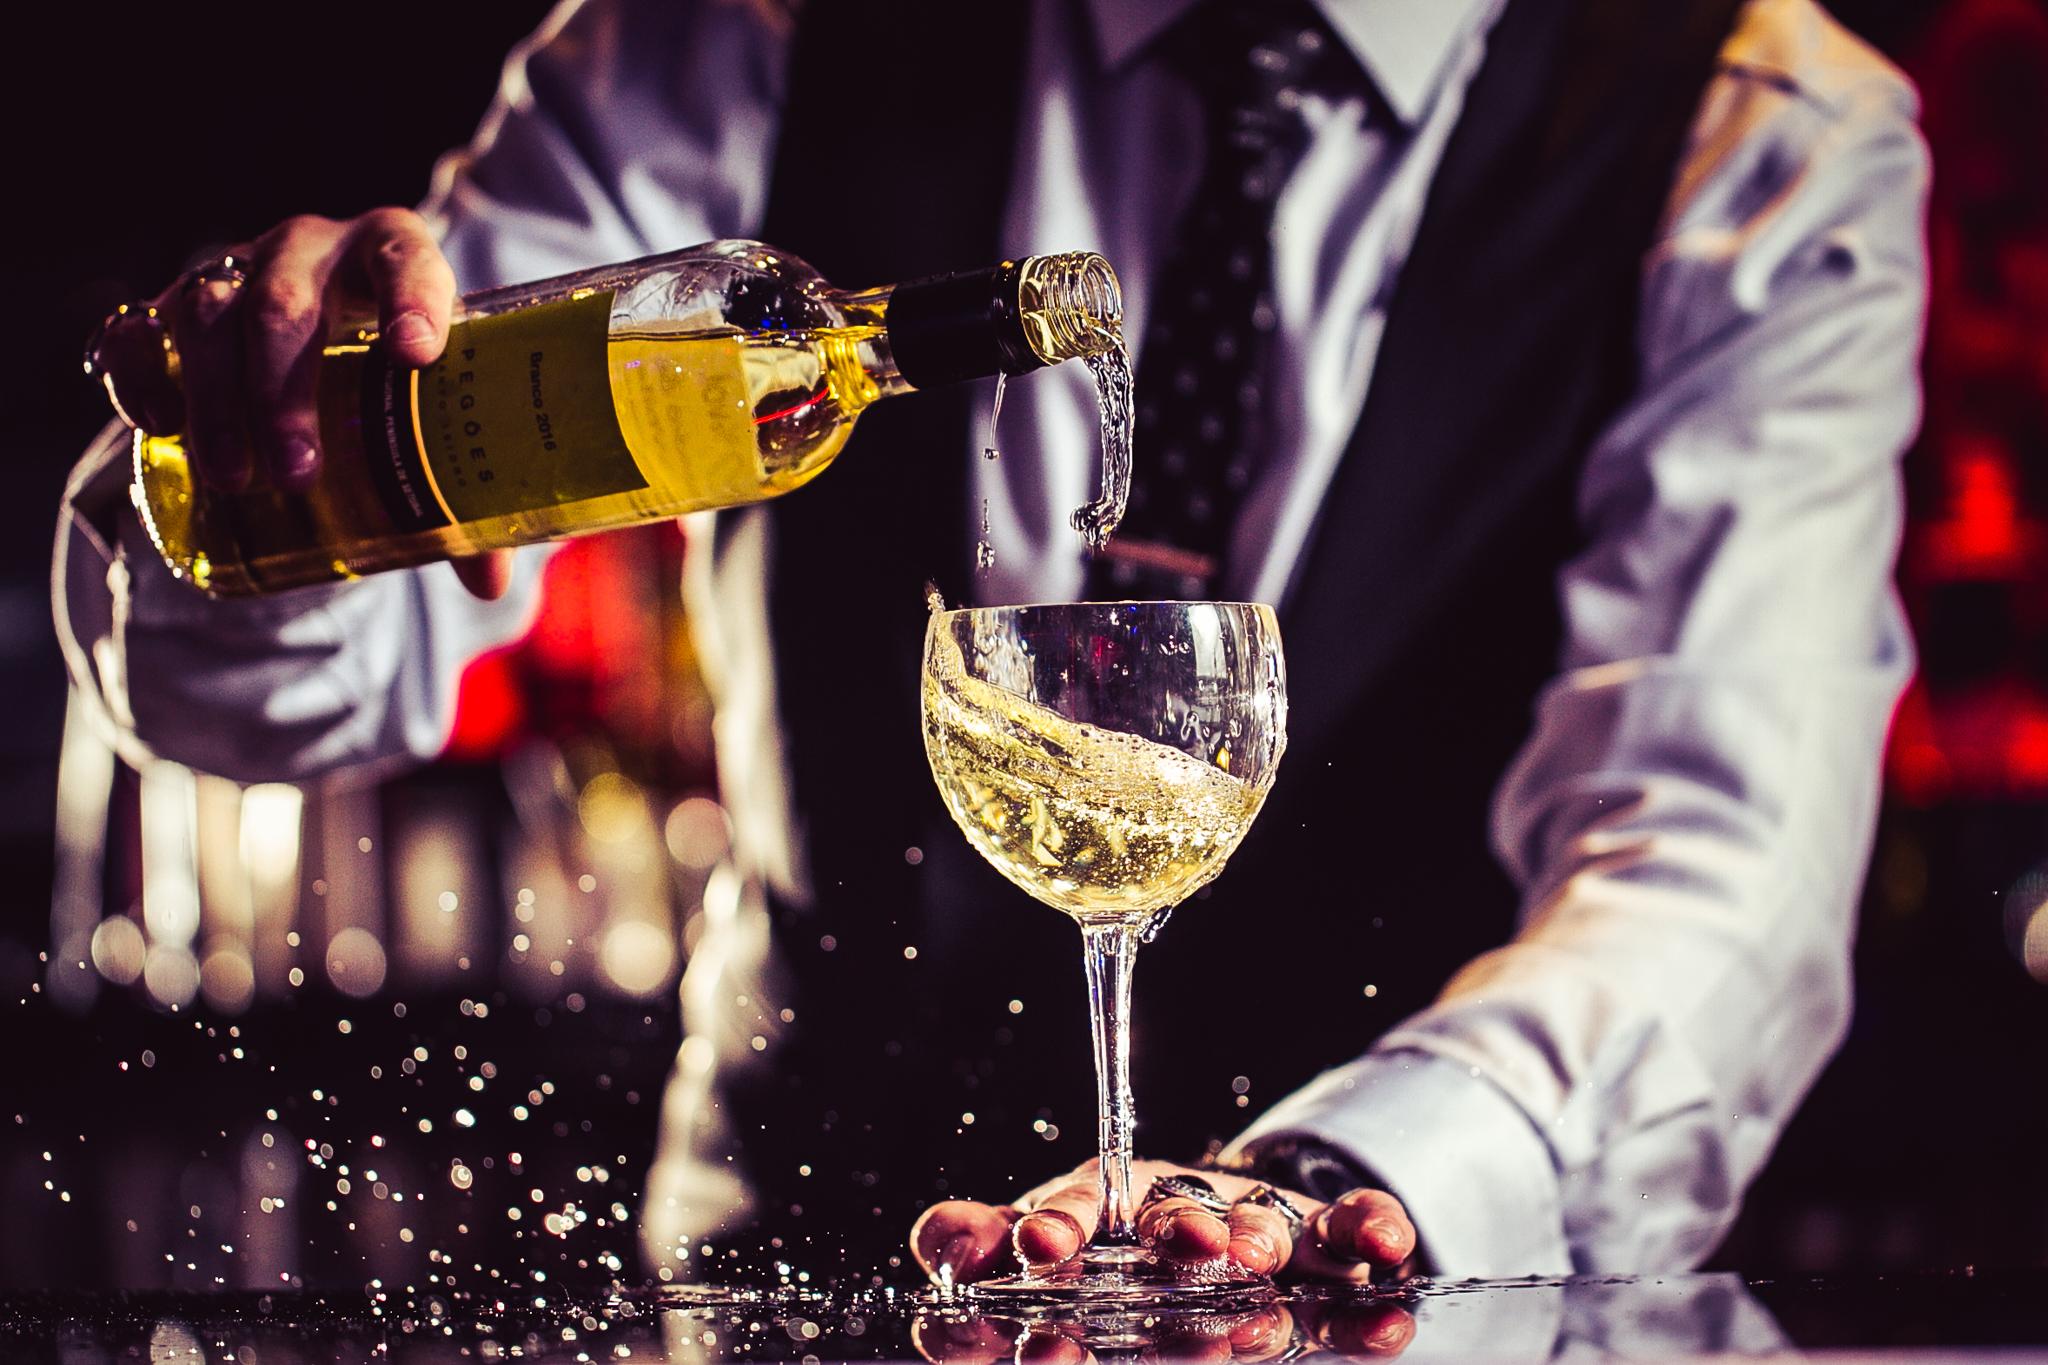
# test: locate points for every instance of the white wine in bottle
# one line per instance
(710, 377)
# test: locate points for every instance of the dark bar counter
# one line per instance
(1947, 1315)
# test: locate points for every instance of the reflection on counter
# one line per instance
(1631, 1318)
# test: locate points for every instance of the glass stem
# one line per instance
(1111, 950)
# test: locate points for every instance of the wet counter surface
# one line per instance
(2001, 1314)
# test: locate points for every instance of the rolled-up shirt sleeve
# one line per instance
(621, 127)
(1690, 819)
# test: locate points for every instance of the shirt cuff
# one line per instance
(1476, 1178)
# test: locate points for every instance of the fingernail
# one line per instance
(412, 329)
(1384, 1232)
(1254, 1251)
(1046, 1237)
(300, 464)
(1192, 1236)
(1396, 1330)
(953, 1256)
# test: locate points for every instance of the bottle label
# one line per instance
(516, 416)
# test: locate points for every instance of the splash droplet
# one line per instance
(984, 553)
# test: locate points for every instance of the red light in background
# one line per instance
(489, 708)
(597, 657)
(1982, 530)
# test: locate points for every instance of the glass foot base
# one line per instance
(1124, 1277)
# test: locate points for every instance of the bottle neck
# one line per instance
(862, 351)
(1071, 306)
(1006, 319)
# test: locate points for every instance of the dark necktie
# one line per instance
(1202, 366)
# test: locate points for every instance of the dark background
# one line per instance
(142, 135)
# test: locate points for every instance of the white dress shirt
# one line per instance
(1690, 816)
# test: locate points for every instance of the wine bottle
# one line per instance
(718, 375)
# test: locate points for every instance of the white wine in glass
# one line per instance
(1107, 757)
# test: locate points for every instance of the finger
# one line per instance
(487, 575)
(958, 1241)
(1260, 1240)
(1188, 1339)
(1045, 1343)
(1366, 1225)
(1059, 1225)
(208, 336)
(1182, 1230)
(1262, 1334)
(128, 357)
(1311, 1262)
(410, 280)
(1087, 1173)
(949, 1339)
(1370, 1329)
(282, 334)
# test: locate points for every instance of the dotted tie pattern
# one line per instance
(1201, 368)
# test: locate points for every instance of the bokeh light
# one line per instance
(117, 950)
(638, 957)
(2026, 922)
(355, 962)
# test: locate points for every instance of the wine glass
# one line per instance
(1107, 757)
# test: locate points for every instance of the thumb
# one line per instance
(487, 575)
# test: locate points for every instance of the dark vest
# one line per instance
(1423, 626)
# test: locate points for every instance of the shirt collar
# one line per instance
(1402, 44)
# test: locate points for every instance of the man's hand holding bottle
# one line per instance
(248, 331)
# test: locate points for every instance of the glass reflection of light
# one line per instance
(171, 974)
(85, 781)
(638, 958)
(117, 949)
(228, 980)
(170, 882)
(349, 872)
(355, 962)
(272, 838)
(612, 808)
(2026, 922)
(227, 977)
(2034, 944)
(239, 883)
(438, 864)
(697, 833)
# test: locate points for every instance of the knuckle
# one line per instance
(397, 239)
(282, 308)
(392, 218)
(414, 267)
(395, 252)
(1263, 1221)
(297, 228)
(191, 314)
